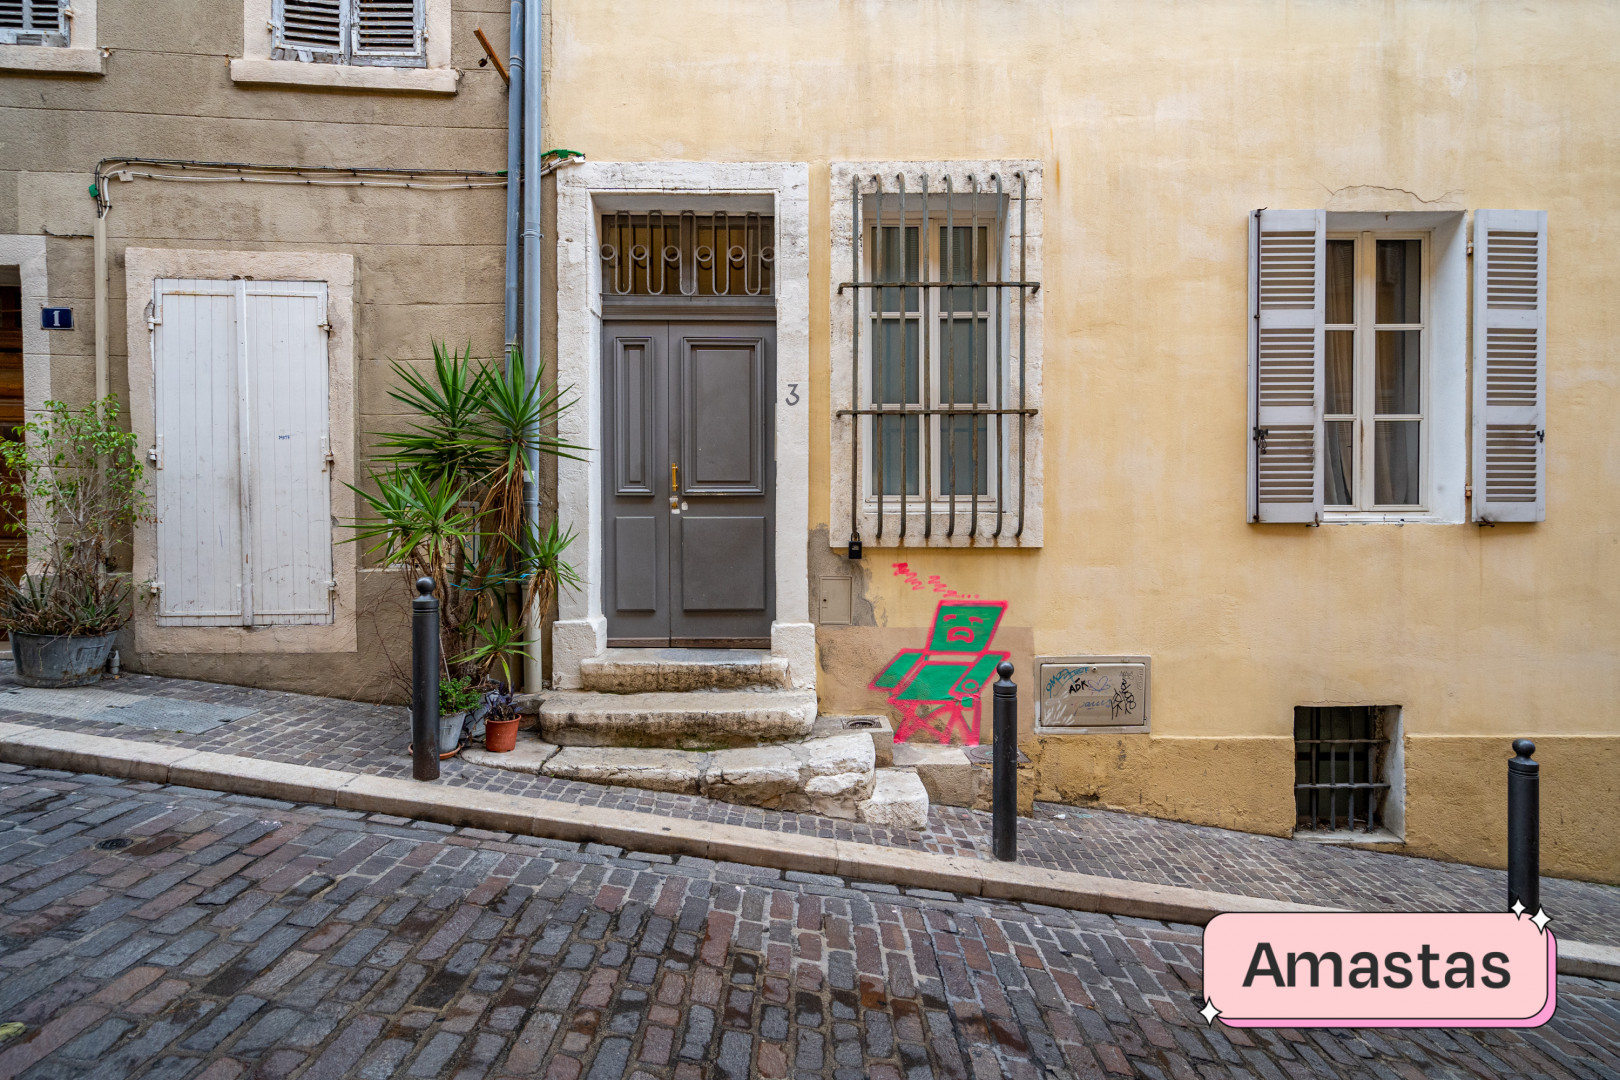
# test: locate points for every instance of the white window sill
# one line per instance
(345, 76)
(1384, 517)
(50, 60)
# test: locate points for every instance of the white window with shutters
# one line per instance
(1357, 367)
(34, 22)
(1510, 365)
(241, 456)
(388, 33)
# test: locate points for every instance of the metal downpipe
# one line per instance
(514, 175)
(532, 671)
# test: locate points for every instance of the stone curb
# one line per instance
(449, 805)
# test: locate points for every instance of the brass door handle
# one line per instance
(674, 471)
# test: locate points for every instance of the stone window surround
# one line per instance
(581, 628)
(255, 65)
(142, 266)
(79, 57)
(842, 225)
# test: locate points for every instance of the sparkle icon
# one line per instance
(1517, 909)
(1209, 1012)
(1541, 919)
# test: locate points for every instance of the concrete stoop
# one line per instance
(834, 776)
(640, 671)
(675, 720)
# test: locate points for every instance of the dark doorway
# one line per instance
(14, 512)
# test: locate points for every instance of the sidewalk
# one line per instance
(370, 740)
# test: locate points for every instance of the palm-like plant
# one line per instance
(448, 503)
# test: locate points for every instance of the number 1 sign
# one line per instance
(56, 318)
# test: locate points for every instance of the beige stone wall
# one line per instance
(427, 264)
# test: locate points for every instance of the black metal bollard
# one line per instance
(425, 682)
(1524, 828)
(1004, 768)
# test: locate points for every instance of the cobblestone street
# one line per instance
(164, 932)
(371, 739)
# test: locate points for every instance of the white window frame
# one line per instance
(934, 355)
(1365, 417)
(78, 55)
(260, 64)
(842, 222)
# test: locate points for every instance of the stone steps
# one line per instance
(635, 671)
(694, 720)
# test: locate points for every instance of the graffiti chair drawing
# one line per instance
(936, 689)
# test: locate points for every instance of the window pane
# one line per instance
(964, 256)
(1400, 372)
(1340, 373)
(1400, 280)
(964, 379)
(1339, 479)
(895, 381)
(1341, 281)
(1395, 462)
(886, 258)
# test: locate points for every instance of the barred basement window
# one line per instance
(685, 253)
(1339, 766)
(389, 33)
(34, 22)
(941, 411)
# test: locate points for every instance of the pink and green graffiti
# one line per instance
(936, 689)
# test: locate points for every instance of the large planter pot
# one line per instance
(47, 660)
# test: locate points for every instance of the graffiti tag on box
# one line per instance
(1086, 695)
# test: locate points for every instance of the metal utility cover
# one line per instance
(1079, 694)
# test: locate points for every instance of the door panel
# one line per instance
(690, 560)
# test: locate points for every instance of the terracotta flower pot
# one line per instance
(500, 736)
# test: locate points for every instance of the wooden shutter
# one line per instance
(387, 30)
(310, 27)
(1510, 365)
(1287, 260)
(197, 492)
(289, 496)
(33, 22)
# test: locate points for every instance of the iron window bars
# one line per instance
(904, 290)
(1333, 746)
(684, 253)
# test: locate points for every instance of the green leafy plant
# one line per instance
(445, 501)
(78, 474)
(458, 695)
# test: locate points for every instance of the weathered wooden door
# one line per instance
(689, 476)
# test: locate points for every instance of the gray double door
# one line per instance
(689, 470)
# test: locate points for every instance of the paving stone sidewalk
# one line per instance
(372, 739)
(167, 933)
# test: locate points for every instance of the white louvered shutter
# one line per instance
(33, 22)
(312, 29)
(289, 497)
(1287, 268)
(388, 30)
(196, 485)
(1510, 365)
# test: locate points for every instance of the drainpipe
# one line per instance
(99, 257)
(531, 308)
(514, 170)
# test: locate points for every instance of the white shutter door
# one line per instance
(289, 494)
(196, 491)
(1510, 365)
(310, 28)
(388, 29)
(1287, 267)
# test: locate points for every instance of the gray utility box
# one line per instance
(1076, 695)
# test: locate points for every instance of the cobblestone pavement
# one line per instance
(364, 738)
(167, 933)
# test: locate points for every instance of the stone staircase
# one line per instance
(724, 724)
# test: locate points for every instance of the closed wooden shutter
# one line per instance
(1510, 365)
(387, 30)
(1287, 260)
(242, 491)
(310, 28)
(197, 487)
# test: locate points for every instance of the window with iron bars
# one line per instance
(687, 253)
(1339, 754)
(938, 376)
(33, 22)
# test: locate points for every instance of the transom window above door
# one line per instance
(1375, 347)
(687, 253)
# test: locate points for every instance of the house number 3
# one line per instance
(793, 393)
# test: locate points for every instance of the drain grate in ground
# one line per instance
(110, 707)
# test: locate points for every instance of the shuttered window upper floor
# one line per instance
(49, 37)
(347, 44)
